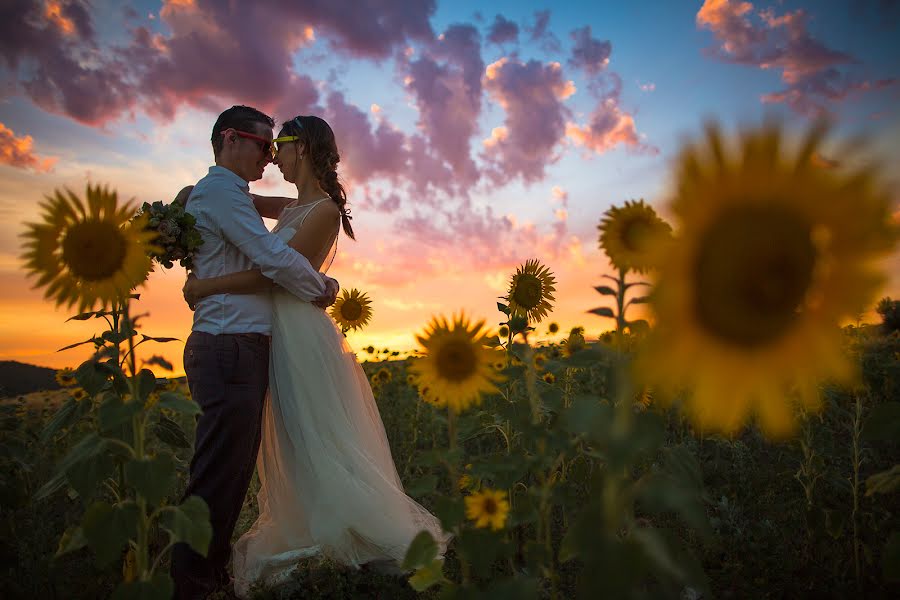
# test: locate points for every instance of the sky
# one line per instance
(473, 136)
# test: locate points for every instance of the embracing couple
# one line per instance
(279, 386)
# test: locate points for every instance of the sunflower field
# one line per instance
(737, 440)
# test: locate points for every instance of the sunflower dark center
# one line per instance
(351, 309)
(635, 234)
(94, 250)
(754, 269)
(456, 360)
(490, 506)
(528, 292)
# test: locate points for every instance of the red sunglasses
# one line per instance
(265, 145)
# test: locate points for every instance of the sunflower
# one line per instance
(627, 235)
(87, 254)
(352, 310)
(488, 508)
(383, 375)
(457, 366)
(78, 394)
(411, 380)
(771, 254)
(503, 331)
(549, 378)
(575, 342)
(66, 377)
(539, 361)
(553, 328)
(531, 291)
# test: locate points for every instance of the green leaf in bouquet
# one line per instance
(429, 575)
(179, 403)
(171, 433)
(160, 587)
(189, 523)
(422, 551)
(108, 528)
(153, 478)
(73, 539)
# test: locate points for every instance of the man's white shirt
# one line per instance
(235, 239)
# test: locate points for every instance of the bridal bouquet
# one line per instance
(177, 237)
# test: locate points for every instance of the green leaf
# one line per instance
(834, 523)
(890, 558)
(152, 478)
(480, 547)
(421, 486)
(91, 377)
(451, 511)
(657, 552)
(87, 447)
(883, 423)
(162, 340)
(639, 300)
(587, 414)
(603, 311)
(113, 412)
(145, 382)
(171, 433)
(76, 344)
(422, 551)
(160, 587)
(189, 523)
(107, 529)
(885, 482)
(427, 576)
(87, 475)
(67, 415)
(514, 588)
(159, 361)
(606, 290)
(503, 308)
(179, 403)
(73, 539)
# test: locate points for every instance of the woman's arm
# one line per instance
(318, 229)
(270, 206)
(242, 282)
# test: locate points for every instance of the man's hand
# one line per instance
(332, 287)
(191, 291)
(183, 195)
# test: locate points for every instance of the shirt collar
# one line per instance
(229, 175)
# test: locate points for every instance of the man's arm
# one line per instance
(241, 225)
(270, 207)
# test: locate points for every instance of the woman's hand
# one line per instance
(192, 291)
(183, 195)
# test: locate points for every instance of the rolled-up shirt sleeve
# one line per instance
(242, 226)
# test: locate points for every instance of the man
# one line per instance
(226, 357)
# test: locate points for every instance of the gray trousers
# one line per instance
(228, 376)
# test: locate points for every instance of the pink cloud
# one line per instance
(540, 32)
(809, 68)
(446, 85)
(17, 152)
(532, 96)
(503, 30)
(589, 53)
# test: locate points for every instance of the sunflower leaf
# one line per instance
(606, 290)
(92, 339)
(603, 311)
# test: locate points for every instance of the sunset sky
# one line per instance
(473, 135)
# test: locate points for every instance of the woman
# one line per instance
(328, 484)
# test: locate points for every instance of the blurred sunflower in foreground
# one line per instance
(457, 366)
(87, 254)
(771, 253)
(488, 508)
(352, 310)
(627, 235)
(531, 291)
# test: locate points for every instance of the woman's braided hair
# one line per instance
(318, 138)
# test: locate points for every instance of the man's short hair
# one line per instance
(237, 117)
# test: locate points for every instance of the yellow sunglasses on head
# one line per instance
(286, 138)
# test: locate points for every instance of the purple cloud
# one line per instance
(503, 30)
(588, 53)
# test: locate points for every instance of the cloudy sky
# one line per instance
(473, 135)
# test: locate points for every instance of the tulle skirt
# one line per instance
(328, 483)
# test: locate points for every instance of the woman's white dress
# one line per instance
(328, 484)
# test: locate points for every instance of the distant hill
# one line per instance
(19, 378)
